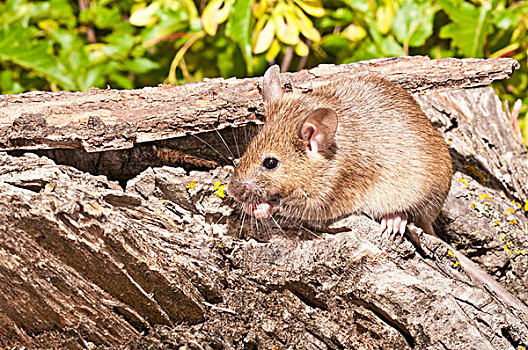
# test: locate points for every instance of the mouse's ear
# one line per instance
(318, 130)
(271, 86)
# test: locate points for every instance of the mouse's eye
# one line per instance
(270, 163)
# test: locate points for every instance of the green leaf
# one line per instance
(507, 17)
(385, 45)
(336, 45)
(119, 44)
(92, 77)
(62, 11)
(16, 47)
(169, 22)
(122, 81)
(13, 5)
(359, 5)
(239, 29)
(230, 61)
(469, 29)
(140, 65)
(6, 81)
(365, 52)
(340, 17)
(413, 23)
(102, 17)
(391, 47)
(343, 14)
(66, 39)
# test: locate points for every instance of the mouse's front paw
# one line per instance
(394, 223)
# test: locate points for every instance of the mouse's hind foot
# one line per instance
(393, 224)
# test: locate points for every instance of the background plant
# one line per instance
(75, 45)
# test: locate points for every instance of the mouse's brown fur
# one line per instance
(385, 158)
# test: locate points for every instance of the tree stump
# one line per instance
(114, 230)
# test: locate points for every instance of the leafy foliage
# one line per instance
(74, 45)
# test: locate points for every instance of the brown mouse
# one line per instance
(357, 145)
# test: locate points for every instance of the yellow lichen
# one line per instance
(484, 196)
(453, 255)
(219, 189)
(465, 182)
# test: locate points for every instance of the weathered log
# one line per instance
(85, 264)
(120, 133)
(102, 120)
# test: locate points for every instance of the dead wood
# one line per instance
(166, 264)
(120, 133)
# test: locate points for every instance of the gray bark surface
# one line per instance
(168, 263)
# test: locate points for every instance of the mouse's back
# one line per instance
(401, 161)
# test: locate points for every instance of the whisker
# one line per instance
(225, 144)
(306, 229)
(242, 226)
(236, 141)
(246, 135)
(211, 147)
(217, 221)
(276, 223)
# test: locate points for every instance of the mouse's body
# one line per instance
(356, 145)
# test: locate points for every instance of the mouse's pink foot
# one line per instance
(260, 211)
(394, 223)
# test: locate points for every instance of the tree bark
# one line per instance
(120, 133)
(168, 262)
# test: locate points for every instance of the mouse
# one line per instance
(356, 145)
(359, 145)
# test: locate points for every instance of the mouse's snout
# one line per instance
(242, 191)
(248, 193)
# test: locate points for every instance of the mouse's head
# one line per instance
(284, 166)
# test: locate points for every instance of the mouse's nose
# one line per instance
(240, 190)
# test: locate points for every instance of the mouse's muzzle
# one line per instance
(254, 202)
(243, 191)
